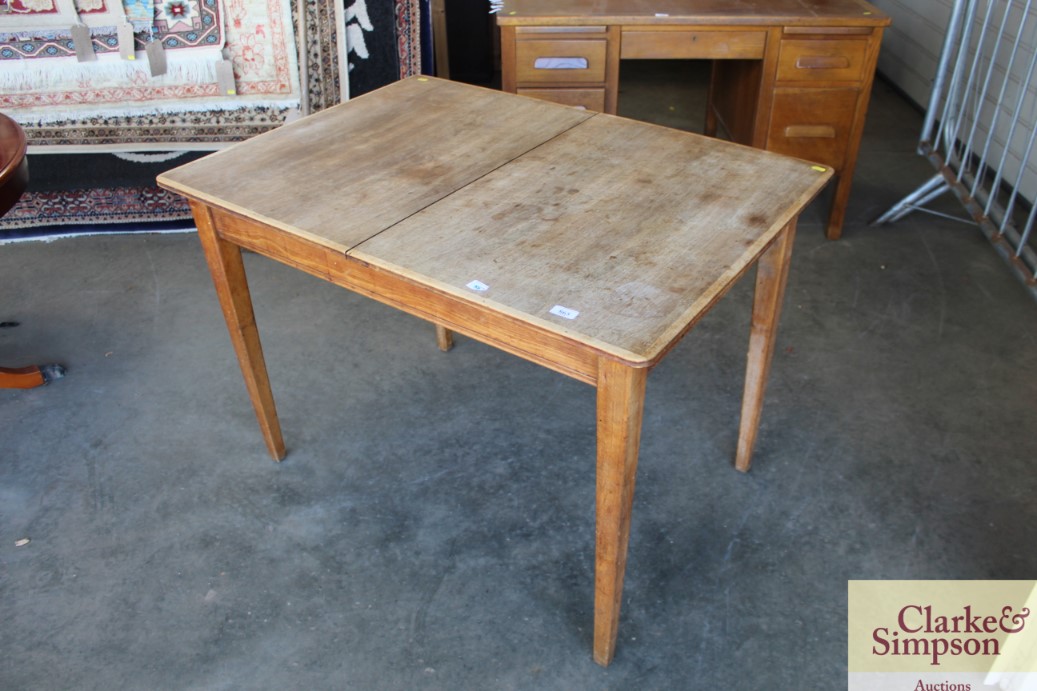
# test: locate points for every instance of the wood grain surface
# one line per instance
(747, 12)
(344, 174)
(613, 233)
(638, 228)
(14, 168)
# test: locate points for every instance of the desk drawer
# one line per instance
(558, 61)
(813, 124)
(687, 44)
(588, 99)
(822, 60)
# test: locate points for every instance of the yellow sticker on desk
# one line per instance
(819, 169)
(422, 79)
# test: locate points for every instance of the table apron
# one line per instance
(492, 327)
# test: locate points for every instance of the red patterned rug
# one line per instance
(115, 209)
(60, 200)
(367, 43)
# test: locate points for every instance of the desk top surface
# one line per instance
(634, 230)
(749, 12)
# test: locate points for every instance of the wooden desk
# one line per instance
(792, 76)
(587, 243)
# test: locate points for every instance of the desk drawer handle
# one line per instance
(812, 131)
(822, 62)
(560, 63)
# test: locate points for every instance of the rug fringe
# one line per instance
(214, 105)
(30, 76)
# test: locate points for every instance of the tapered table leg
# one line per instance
(444, 338)
(772, 272)
(840, 199)
(621, 394)
(228, 275)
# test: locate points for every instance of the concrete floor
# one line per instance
(432, 526)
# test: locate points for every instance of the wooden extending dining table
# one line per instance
(585, 242)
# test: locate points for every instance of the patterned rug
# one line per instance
(83, 193)
(100, 210)
(373, 41)
(44, 81)
(57, 202)
(383, 39)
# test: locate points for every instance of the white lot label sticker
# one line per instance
(478, 286)
(564, 312)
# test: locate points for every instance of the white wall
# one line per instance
(911, 46)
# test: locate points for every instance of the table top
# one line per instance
(13, 166)
(615, 233)
(12, 147)
(747, 12)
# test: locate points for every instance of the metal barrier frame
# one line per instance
(971, 93)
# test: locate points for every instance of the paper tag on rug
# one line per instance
(225, 78)
(83, 45)
(156, 58)
(125, 34)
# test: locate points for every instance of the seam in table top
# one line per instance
(471, 182)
